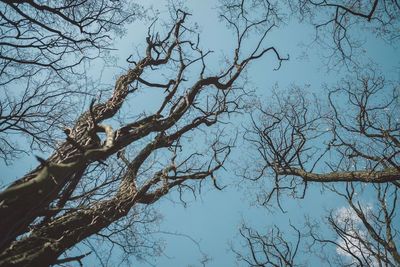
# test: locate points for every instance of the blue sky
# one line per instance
(213, 218)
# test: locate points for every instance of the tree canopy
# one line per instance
(103, 161)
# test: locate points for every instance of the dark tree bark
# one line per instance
(50, 209)
(42, 47)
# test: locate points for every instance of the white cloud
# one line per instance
(347, 219)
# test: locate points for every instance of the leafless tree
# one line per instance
(352, 138)
(338, 23)
(297, 137)
(42, 46)
(57, 35)
(35, 113)
(271, 249)
(364, 234)
(103, 174)
(341, 27)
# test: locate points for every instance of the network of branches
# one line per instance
(108, 162)
(97, 181)
(346, 139)
(43, 47)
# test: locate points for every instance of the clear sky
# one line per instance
(213, 219)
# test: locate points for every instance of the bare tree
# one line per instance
(364, 234)
(36, 113)
(352, 137)
(271, 249)
(338, 24)
(341, 27)
(57, 35)
(100, 175)
(42, 46)
(297, 137)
